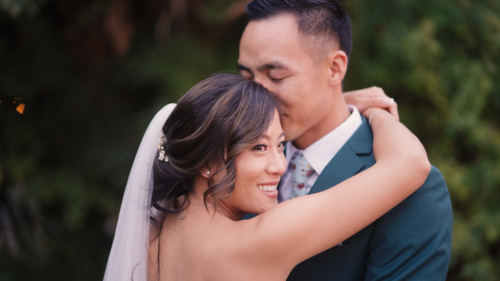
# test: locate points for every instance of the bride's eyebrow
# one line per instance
(268, 137)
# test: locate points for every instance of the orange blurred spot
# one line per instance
(20, 108)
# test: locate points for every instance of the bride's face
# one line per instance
(258, 172)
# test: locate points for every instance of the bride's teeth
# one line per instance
(268, 187)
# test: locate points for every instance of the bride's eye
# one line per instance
(260, 147)
(282, 144)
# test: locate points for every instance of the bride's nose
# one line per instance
(277, 164)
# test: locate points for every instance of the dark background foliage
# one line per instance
(91, 75)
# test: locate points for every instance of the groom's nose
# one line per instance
(261, 80)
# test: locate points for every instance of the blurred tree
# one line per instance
(93, 73)
(439, 60)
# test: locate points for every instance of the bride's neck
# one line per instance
(197, 198)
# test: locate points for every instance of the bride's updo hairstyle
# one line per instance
(212, 123)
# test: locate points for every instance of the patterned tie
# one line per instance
(301, 171)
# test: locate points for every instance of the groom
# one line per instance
(299, 50)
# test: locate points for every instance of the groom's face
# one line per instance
(273, 54)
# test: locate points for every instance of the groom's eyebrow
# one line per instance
(271, 65)
(241, 67)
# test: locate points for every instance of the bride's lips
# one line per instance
(269, 188)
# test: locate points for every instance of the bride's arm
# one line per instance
(303, 227)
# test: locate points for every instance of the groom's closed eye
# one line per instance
(277, 75)
(244, 71)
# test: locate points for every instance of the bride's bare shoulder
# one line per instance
(243, 239)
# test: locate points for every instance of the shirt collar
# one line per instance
(323, 150)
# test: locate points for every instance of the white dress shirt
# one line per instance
(320, 153)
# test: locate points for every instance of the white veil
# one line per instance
(128, 259)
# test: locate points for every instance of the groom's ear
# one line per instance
(337, 64)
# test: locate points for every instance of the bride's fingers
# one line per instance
(363, 103)
(372, 97)
(384, 103)
(393, 110)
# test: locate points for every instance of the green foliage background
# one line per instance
(93, 73)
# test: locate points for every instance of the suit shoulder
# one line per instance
(435, 174)
(432, 199)
(422, 225)
(434, 185)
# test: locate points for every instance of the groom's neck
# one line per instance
(335, 117)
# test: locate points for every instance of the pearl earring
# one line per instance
(208, 172)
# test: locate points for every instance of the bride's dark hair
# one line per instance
(212, 123)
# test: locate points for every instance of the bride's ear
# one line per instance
(205, 172)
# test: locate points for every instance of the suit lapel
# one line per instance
(346, 162)
(343, 166)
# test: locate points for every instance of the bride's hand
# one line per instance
(371, 97)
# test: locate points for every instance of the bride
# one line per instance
(220, 156)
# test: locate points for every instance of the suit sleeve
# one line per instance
(413, 240)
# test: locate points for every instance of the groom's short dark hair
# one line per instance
(324, 18)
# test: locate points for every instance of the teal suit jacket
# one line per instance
(410, 242)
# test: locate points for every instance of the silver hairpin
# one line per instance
(161, 148)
